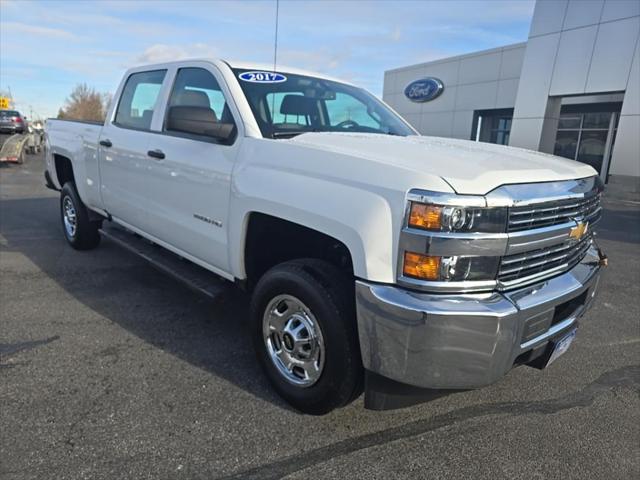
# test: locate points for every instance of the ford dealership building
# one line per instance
(573, 89)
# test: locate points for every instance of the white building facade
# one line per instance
(573, 89)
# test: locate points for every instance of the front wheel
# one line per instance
(79, 230)
(305, 334)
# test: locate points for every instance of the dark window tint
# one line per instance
(138, 99)
(569, 121)
(592, 147)
(566, 143)
(9, 113)
(597, 120)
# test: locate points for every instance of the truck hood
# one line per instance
(469, 167)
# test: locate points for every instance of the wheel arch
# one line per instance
(270, 240)
(63, 169)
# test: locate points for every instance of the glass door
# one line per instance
(587, 137)
(493, 126)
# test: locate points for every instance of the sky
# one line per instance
(47, 47)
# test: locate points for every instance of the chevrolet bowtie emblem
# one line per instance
(579, 230)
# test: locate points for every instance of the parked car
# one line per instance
(376, 258)
(12, 121)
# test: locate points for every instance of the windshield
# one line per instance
(9, 113)
(286, 105)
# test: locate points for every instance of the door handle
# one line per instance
(106, 143)
(159, 154)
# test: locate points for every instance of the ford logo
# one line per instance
(424, 90)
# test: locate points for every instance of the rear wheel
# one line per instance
(81, 232)
(305, 334)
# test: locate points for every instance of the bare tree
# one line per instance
(85, 103)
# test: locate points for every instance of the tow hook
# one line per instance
(603, 260)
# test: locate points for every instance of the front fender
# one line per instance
(363, 220)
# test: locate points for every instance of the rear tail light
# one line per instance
(17, 119)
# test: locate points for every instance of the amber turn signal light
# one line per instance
(419, 266)
(423, 216)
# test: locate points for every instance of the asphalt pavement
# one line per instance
(111, 370)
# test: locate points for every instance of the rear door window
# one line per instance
(138, 99)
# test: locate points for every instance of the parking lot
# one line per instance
(109, 369)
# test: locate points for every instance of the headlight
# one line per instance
(454, 218)
(449, 268)
(451, 242)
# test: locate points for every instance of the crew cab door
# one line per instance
(189, 174)
(123, 141)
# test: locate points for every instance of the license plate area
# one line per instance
(560, 347)
(545, 354)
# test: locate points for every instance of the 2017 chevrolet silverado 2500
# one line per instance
(376, 258)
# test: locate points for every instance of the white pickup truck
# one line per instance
(376, 258)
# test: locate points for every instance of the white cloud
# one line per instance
(320, 60)
(159, 53)
(27, 29)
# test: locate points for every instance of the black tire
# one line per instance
(329, 295)
(86, 235)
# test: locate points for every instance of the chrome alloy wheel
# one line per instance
(293, 340)
(69, 217)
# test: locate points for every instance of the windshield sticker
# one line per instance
(262, 77)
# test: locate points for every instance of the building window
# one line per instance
(492, 126)
(586, 133)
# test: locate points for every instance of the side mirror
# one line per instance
(199, 121)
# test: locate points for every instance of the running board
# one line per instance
(194, 276)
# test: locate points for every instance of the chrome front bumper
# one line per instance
(449, 341)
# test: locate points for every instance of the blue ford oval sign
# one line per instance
(424, 90)
(262, 77)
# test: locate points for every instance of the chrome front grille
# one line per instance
(542, 262)
(553, 213)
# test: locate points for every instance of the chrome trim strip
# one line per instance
(451, 243)
(538, 277)
(440, 198)
(447, 287)
(550, 208)
(527, 240)
(519, 195)
(540, 216)
(523, 257)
